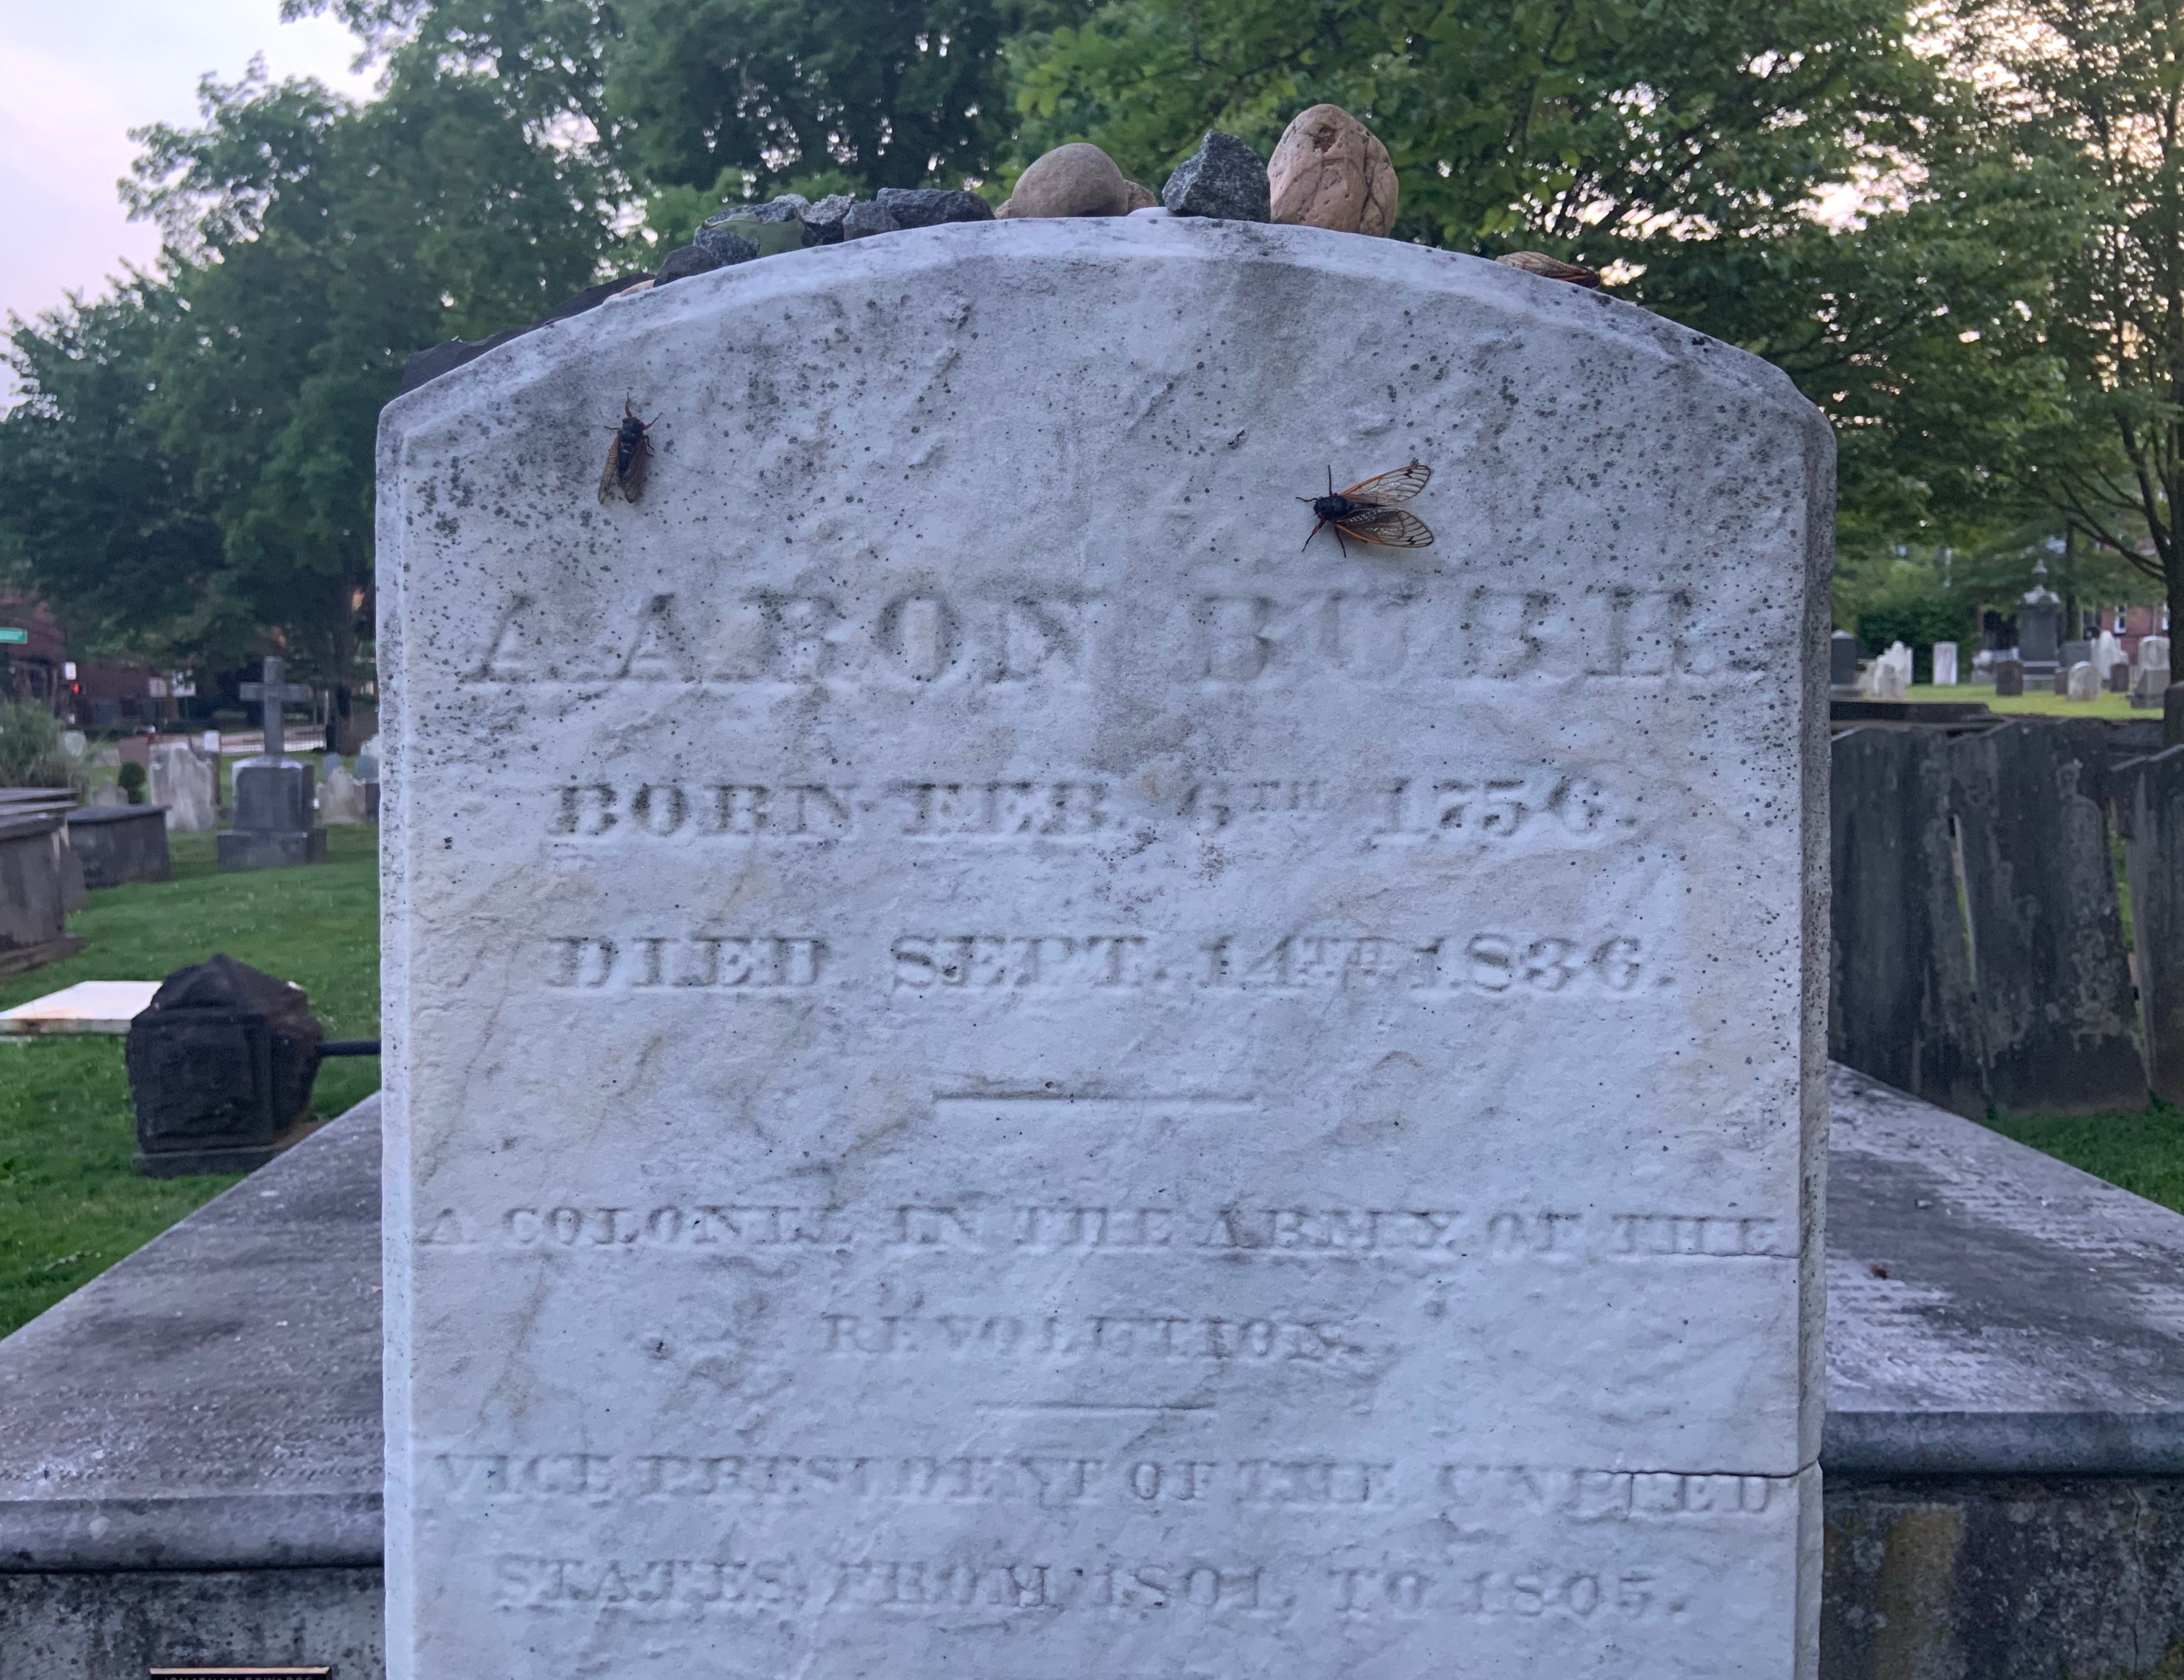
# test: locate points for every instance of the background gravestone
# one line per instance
(980, 1074)
(275, 816)
(185, 783)
(2057, 1017)
(1901, 1003)
(2150, 801)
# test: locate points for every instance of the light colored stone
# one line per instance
(2084, 682)
(1077, 180)
(1945, 665)
(187, 783)
(980, 1083)
(95, 1006)
(1140, 197)
(1888, 682)
(341, 795)
(1330, 170)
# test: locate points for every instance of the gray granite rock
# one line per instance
(930, 206)
(865, 218)
(823, 221)
(1225, 178)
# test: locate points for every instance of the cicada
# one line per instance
(1369, 513)
(626, 457)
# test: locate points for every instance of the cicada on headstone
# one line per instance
(1368, 513)
(626, 457)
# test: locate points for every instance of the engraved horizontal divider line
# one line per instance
(1010, 638)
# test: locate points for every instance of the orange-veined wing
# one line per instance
(1399, 486)
(1389, 527)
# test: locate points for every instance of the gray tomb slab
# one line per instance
(1842, 662)
(2056, 1017)
(1901, 1003)
(2149, 799)
(40, 882)
(2009, 678)
(1035, 1039)
(120, 843)
(2040, 628)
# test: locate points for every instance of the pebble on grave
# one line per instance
(1150, 1077)
(221, 1062)
(1329, 170)
(1077, 180)
(1223, 178)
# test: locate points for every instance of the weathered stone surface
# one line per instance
(1551, 268)
(932, 206)
(1330, 170)
(185, 783)
(1901, 1006)
(865, 218)
(1842, 660)
(2080, 683)
(341, 797)
(1140, 197)
(2009, 678)
(2039, 886)
(2149, 799)
(1945, 665)
(714, 247)
(124, 843)
(1223, 178)
(985, 1099)
(221, 1064)
(37, 872)
(823, 221)
(1077, 180)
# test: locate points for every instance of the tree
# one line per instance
(2092, 91)
(102, 514)
(312, 244)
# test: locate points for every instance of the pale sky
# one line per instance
(76, 76)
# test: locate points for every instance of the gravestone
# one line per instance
(2040, 628)
(2009, 678)
(2083, 682)
(121, 844)
(1842, 662)
(967, 1100)
(2074, 653)
(40, 882)
(185, 783)
(2118, 679)
(221, 1062)
(1887, 680)
(2108, 654)
(2149, 680)
(341, 797)
(1945, 665)
(275, 819)
(2150, 804)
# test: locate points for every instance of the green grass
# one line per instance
(70, 1205)
(2050, 706)
(2143, 1152)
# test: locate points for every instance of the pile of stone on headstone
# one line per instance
(1328, 170)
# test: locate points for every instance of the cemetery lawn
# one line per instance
(2143, 1152)
(2052, 705)
(70, 1205)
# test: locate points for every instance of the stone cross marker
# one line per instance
(995, 1069)
(273, 692)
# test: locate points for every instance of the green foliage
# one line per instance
(69, 1204)
(30, 754)
(133, 779)
(673, 214)
(102, 514)
(2143, 1152)
(1915, 606)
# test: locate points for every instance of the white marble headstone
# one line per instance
(999, 1069)
(1945, 665)
(186, 782)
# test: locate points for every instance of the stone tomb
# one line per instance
(996, 1068)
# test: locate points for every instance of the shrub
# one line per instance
(1915, 608)
(30, 754)
(133, 780)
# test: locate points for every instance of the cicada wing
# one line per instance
(609, 478)
(1399, 486)
(1388, 528)
(633, 475)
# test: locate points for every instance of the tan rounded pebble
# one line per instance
(1551, 268)
(1332, 171)
(1076, 180)
(1141, 197)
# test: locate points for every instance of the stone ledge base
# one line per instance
(244, 1158)
(258, 849)
(115, 1624)
(24, 958)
